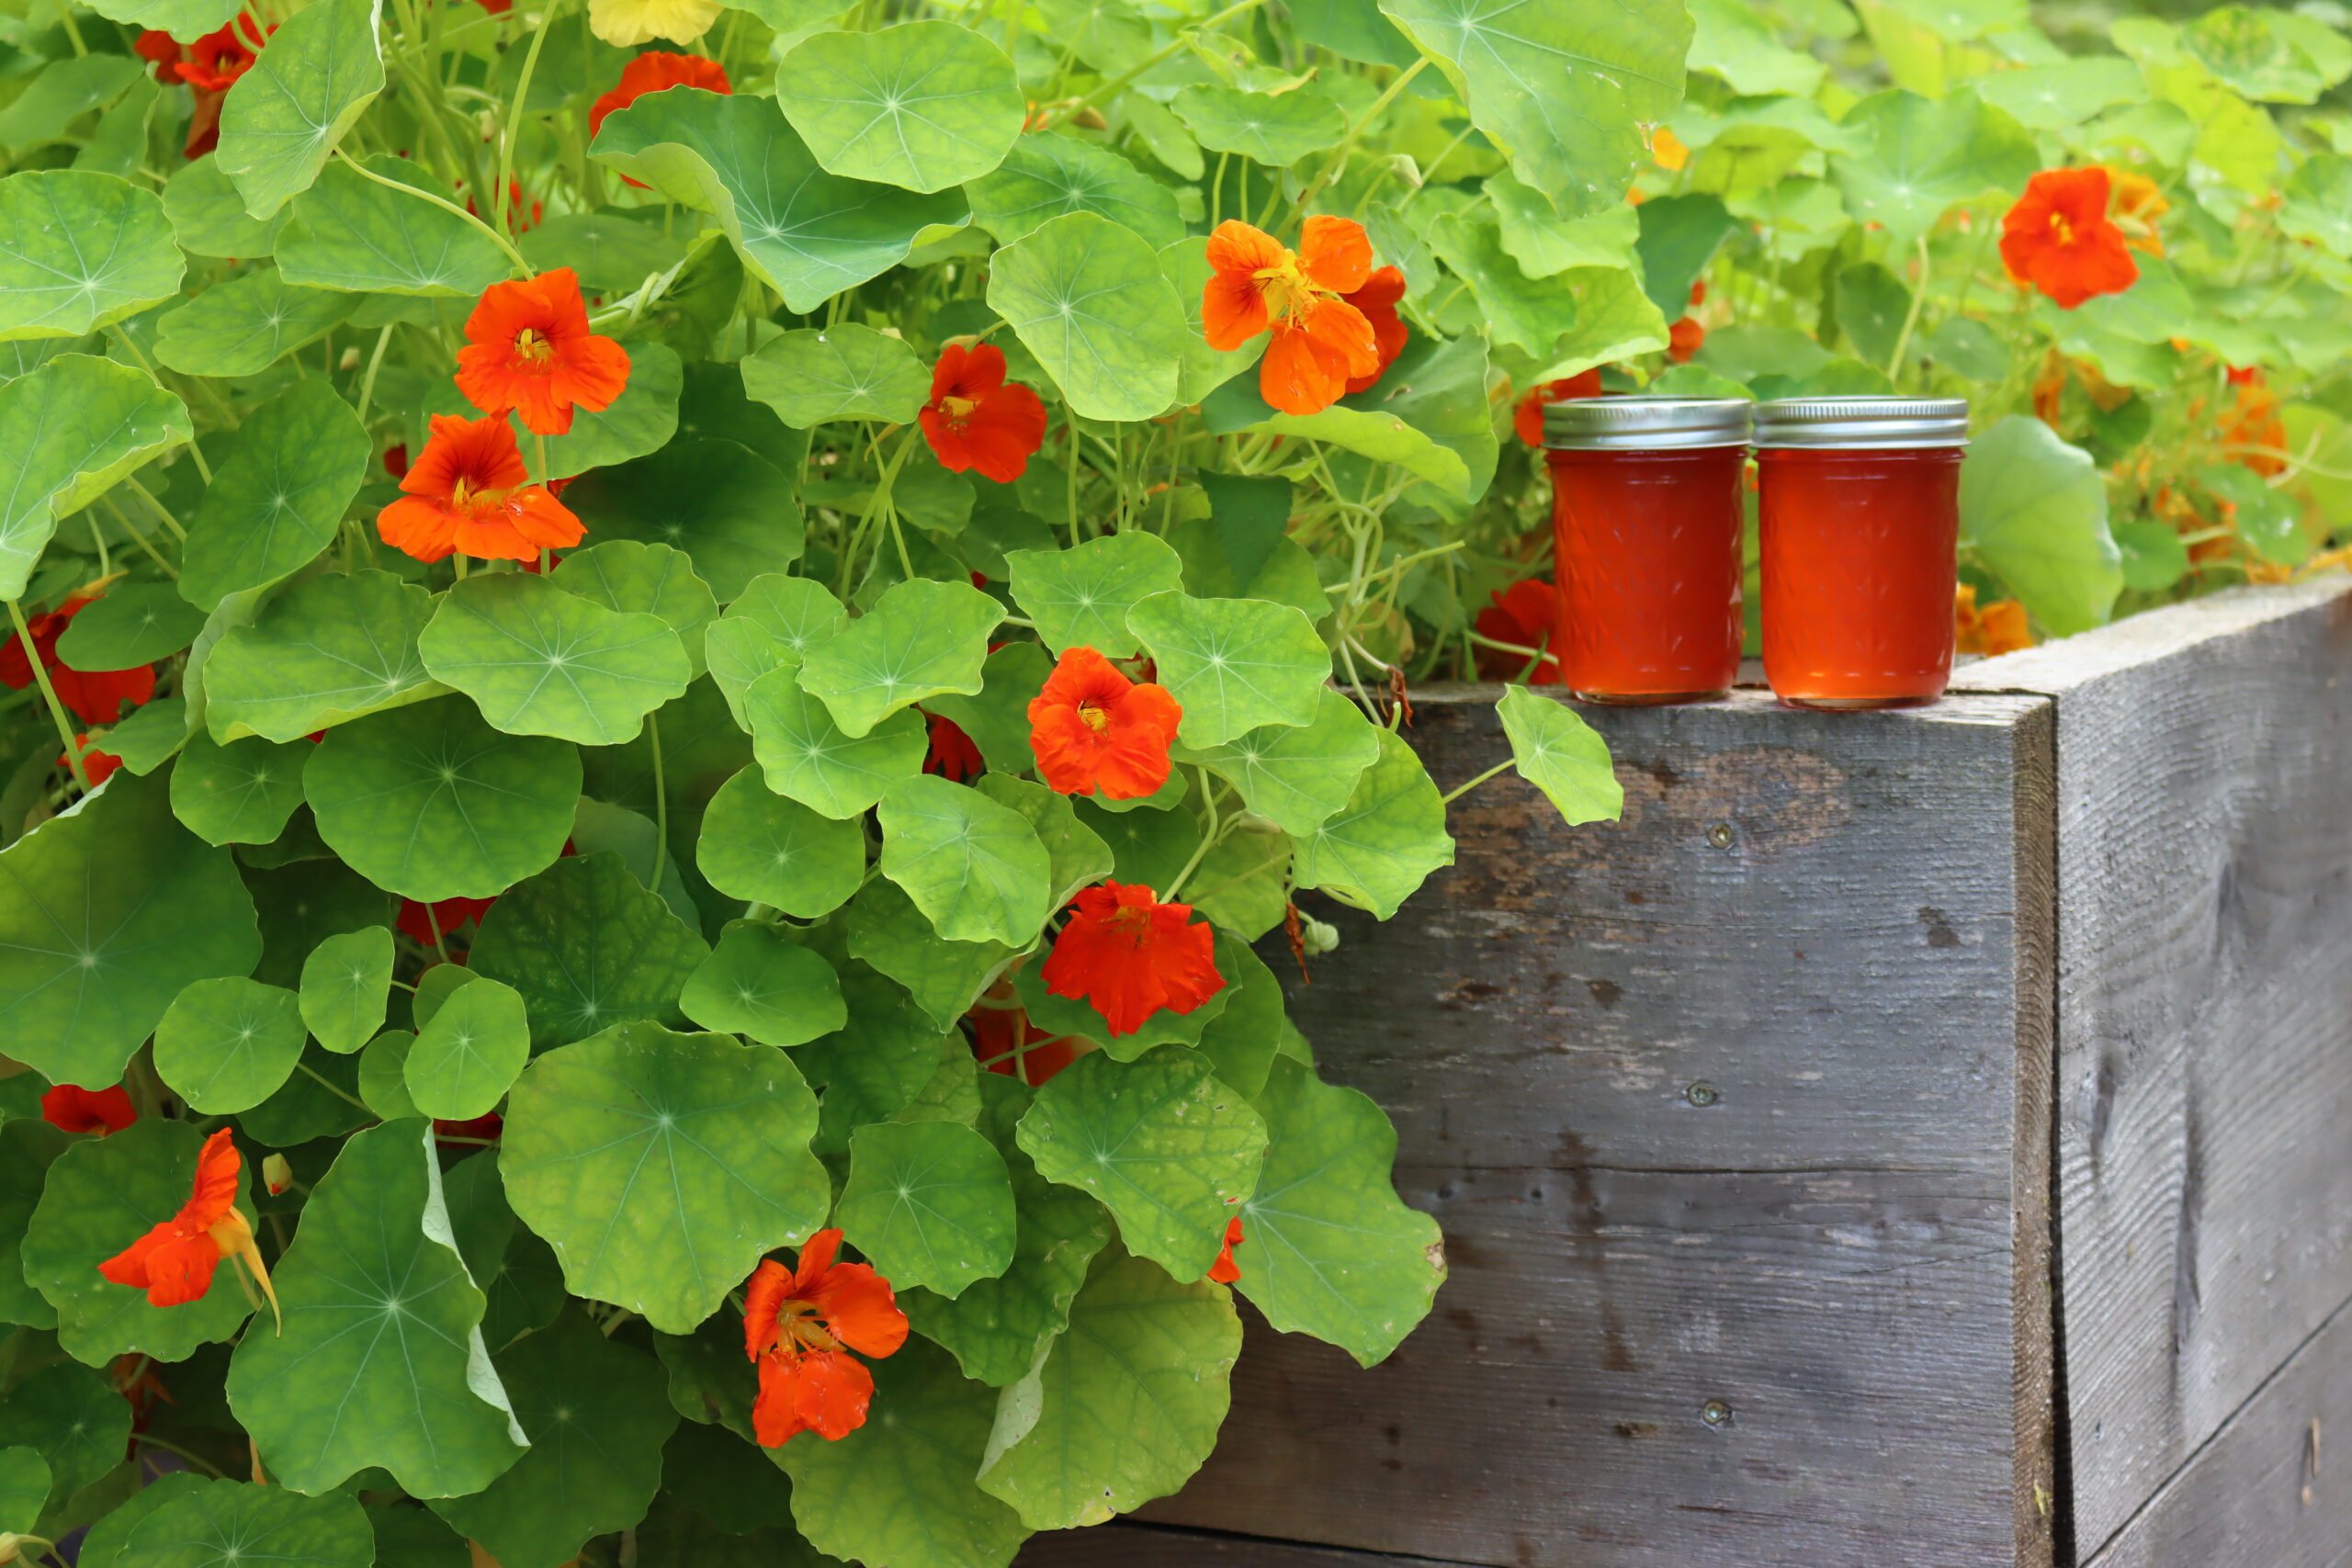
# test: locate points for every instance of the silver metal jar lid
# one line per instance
(1863, 422)
(1644, 425)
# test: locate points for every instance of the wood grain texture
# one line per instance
(1147, 1546)
(2204, 1073)
(1718, 1109)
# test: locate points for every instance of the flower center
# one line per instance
(467, 496)
(1094, 716)
(2061, 229)
(1286, 289)
(533, 345)
(1130, 923)
(957, 409)
(797, 1323)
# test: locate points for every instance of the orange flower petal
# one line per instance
(860, 1309)
(1130, 956)
(1335, 253)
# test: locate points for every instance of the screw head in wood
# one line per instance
(1701, 1094)
(1719, 835)
(1716, 1413)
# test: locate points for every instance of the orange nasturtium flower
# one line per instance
(1091, 728)
(1377, 300)
(174, 1262)
(1998, 627)
(1321, 342)
(977, 419)
(75, 1110)
(2138, 205)
(2058, 238)
(467, 494)
(1129, 956)
(219, 60)
(797, 1325)
(528, 347)
(1527, 418)
(1224, 1271)
(655, 71)
(1666, 150)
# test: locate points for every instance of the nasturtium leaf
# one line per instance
(362, 236)
(899, 1489)
(1164, 1145)
(758, 984)
(662, 1167)
(239, 794)
(152, 735)
(68, 432)
(383, 1076)
(727, 1479)
(1927, 156)
(1075, 854)
(23, 1489)
(2034, 510)
(1266, 128)
(244, 326)
(408, 1535)
(1233, 664)
(1740, 47)
(809, 233)
(323, 68)
(326, 651)
(874, 1065)
(1562, 755)
(1086, 295)
(885, 930)
(1125, 1405)
(541, 662)
(1561, 89)
(1243, 1038)
(102, 1195)
(514, 1269)
(224, 1524)
(733, 513)
(975, 868)
(1332, 1250)
(61, 92)
(209, 216)
(1080, 597)
(2268, 520)
(953, 1092)
(1613, 320)
(759, 847)
(589, 946)
(1545, 244)
(130, 624)
(929, 1204)
(597, 1414)
(639, 425)
(1049, 176)
(845, 371)
(27, 1147)
(466, 1058)
(79, 251)
(1202, 369)
(1375, 433)
(612, 250)
(108, 912)
(2274, 57)
(922, 105)
(2054, 96)
(2319, 203)
(347, 982)
(73, 1417)
(280, 496)
(229, 1044)
(2153, 556)
(1296, 776)
(805, 756)
(431, 803)
(380, 1361)
(1374, 851)
(998, 718)
(921, 637)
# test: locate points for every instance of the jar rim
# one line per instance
(1862, 420)
(1644, 423)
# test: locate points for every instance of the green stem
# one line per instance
(1458, 791)
(131, 528)
(1911, 320)
(375, 362)
(522, 267)
(334, 1089)
(1176, 46)
(1209, 840)
(48, 695)
(514, 118)
(1355, 132)
(660, 802)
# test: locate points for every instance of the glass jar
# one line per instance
(1645, 523)
(1859, 517)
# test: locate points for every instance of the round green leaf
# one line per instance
(922, 106)
(383, 1074)
(244, 326)
(1562, 755)
(732, 512)
(229, 1044)
(641, 421)
(588, 946)
(79, 251)
(886, 931)
(1185, 265)
(929, 1204)
(1127, 1404)
(362, 236)
(326, 651)
(320, 1101)
(1049, 176)
(920, 638)
(347, 982)
(103, 1546)
(1928, 156)
(60, 93)
(809, 233)
(845, 371)
(759, 847)
(772, 626)
(1379, 847)
(998, 720)
(2034, 510)
(28, 1146)
(613, 251)
(1297, 776)
(209, 216)
(102, 1195)
(542, 661)
(875, 1065)
(976, 869)
(243, 793)
(2062, 94)
(1080, 597)
(597, 1414)
(380, 1361)
(804, 755)
(68, 432)
(323, 68)
(73, 1418)
(2319, 203)
(1233, 664)
(662, 1167)
(224, 1524)
(1330, 1249)
(514, 1268)
(1265, 128)
(1086, 295)
(104, 915)
(130, 624)
(645, 580)
(757, 983)
(278, 501)
(23, 1489)
(430, 802)
(900, 1488)
(463, 1061)
(1165, 1146)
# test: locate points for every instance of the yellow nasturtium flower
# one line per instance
(625, 23)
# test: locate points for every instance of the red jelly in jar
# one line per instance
(1645, 521)
(1860, 526)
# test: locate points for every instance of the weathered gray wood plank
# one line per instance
(1145, 1546)
(1717, 1105)
(2204, 1017)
